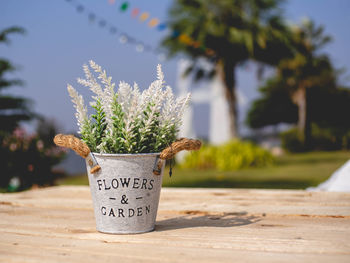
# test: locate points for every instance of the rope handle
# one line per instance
(77, 145)
(177, 146)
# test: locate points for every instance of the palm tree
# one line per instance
(307, 69)
(12, 109)
(273, 107)
(228, 33)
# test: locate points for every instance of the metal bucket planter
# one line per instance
(125, 188)
(125, 192)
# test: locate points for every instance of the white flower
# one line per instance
(91, 82)
(106, 81)
(107, 96)
(81, 109)
(133, 121)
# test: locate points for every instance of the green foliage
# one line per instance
(322, 139)
(165, 136)
(28, 159)
(274, 107)
(93, 131)
(126, 120)
(24, 159)
(231, 156)
(149, 129)
(114, 141)
(328, 139)
(289, 171)
(88, 137)
(146, 135)
(305, 90)
(328, 108)
(234, 31)
(12, 109)
(291, 141)
(306, 69)
(100, 124)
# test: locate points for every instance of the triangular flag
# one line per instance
(144, 16)
(124, 6)
(161, 27)
(135, 12)
(153, 22)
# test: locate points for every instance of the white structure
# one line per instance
(183, 87)
(338, 182)
(219, 122)
(213, 94)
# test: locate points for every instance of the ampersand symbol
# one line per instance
(124, 200)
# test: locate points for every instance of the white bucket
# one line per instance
(125, 192)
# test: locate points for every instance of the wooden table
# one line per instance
(193, 225)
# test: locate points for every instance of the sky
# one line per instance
(59, 40)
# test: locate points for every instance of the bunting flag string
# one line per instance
(155, 23)
(123, 37)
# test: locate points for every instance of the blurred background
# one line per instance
(269, 83)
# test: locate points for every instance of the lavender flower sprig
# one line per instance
(127, 121)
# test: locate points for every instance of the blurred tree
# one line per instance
(305, 91)
(24, 159)
(325, 110)
(308, 68)
(228, 33)
(274, 107)
(30, 158)
(328, 110)
(12, 109)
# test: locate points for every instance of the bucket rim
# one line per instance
(125, 154)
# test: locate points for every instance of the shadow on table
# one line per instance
(202, 219)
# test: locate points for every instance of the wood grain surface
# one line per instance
(193, 225)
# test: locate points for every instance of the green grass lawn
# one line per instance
(291, 171)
